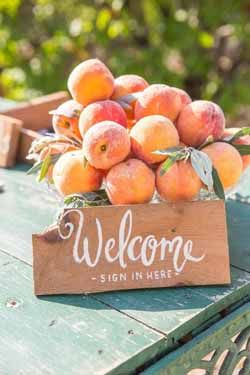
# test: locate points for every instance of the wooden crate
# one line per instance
(131, 247)
(32, 117)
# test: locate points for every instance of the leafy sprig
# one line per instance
(200, 162)
(241, 148)
(94, 198)
(42, 167)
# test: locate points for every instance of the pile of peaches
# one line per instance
(134, 139)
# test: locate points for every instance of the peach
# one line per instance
(199, 120)
(91, 81)
(71, 175)
(65, 119)
(158, 99)
(153, 133)
(245, 140)
(130, 182)
(180, 182)
(106, 144)
(127, 84)
(101, 111)
(185, 98)
(227, 161)
(53, 149)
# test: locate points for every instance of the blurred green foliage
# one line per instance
(202, 46)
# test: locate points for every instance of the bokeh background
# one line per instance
(201, 46)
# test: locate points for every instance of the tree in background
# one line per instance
(202, 46)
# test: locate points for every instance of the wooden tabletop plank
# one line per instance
(178, 311)
(65, 334)
(238, 218)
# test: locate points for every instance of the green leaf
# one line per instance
(168, 151)
(44, 168)
(38, 165)
(35, 168)
(203, 167)
(94, 198)
(218, 187)
(166, 165)
(241, 133)
(242, 149)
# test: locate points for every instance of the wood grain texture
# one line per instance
(35, 113)
(152, 245)
(10, 129)
(65, 335)
(177, 312)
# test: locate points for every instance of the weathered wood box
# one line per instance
(20, 126)
(130, 247)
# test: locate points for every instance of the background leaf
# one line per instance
(218, 187)
(241, 133)
(44, 168)
(166, 165)
(168, 151)
(242, 149)
(203, 167)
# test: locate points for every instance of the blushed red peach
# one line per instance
(185, 98)
(130, 182)
(127, 84)
(227, 161)
(158, 99)
(90, 81)
(106, 144)
(199, 120)
(153, 133)
(101, 111)
(179, 183)
(71, 175)
(245, 140)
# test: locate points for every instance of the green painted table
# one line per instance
(177, 331)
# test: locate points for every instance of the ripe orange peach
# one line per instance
(106, 144)
(91, 81)
(158, 99)
(180, 182)
(199, 120)
(127, 84)
(71, 175)
(65, 119)
(153, 133)
(52, 149)
(101, 111)
(227, 161)
(130, 182)
(245, 140)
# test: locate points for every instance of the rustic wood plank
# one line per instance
(10, 129)
(35, 113)
(177, 312)
(153, 245)
(238, 218)
(26, 207)
(65, 335)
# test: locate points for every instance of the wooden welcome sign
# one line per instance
(130, 247)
